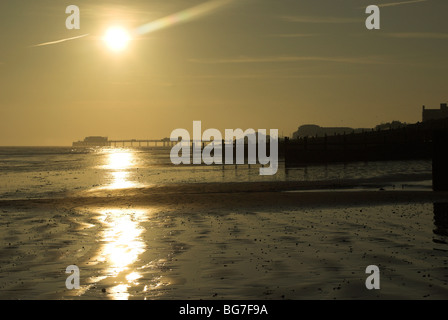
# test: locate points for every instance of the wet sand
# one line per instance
(225, 241)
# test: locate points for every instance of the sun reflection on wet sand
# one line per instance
(122, 238)
(127, 268)
(120, 180)
(123, 244)
(123, 267)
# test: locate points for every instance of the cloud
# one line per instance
(393, 4)
(280, 59)
(293, 35)
(418, 35)
(259, 76)
(59, 41)
(314, 19)
(207, 79)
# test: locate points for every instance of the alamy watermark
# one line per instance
(373, 280)
(72, 281)
(73, 21)
(210, 151)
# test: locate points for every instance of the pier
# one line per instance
(142, 143)
(97, 141)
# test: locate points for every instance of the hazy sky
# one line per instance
(251, 64)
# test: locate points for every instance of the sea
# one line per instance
(54, 172)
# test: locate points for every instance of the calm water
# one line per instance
(39, 172)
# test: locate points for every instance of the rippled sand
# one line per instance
(228, 241)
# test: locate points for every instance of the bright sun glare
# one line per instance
(117, 38)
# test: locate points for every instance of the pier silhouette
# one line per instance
(142, 143)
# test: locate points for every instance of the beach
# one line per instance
(223, 150)
(247, 240)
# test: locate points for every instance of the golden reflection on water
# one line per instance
(120, 180)
(123, 244)
(119, 159)
(122, 238)
(120, 162)
(122, 241)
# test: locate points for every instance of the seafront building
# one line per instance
(312, 130)
(435, 114)
(93, 141)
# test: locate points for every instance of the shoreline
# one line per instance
(237, 194)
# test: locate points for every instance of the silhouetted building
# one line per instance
(435, 114)
(312, 130)
(94, 141)
(390, 125)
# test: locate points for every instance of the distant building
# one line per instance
(94, 141)
(312, 130)
(390, 125)
(435, 114)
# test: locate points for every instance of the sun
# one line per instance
(117, 38)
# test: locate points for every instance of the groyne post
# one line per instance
(440, 160)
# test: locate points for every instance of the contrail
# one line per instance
(59, 41)
(173, 19)
(183, 16)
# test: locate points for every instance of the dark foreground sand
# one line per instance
(225, 241)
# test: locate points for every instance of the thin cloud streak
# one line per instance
(259, 76)
(418, 35)
(393, 4)
(314, 19)
(293, 35)
(59, 41)
(353, 60)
